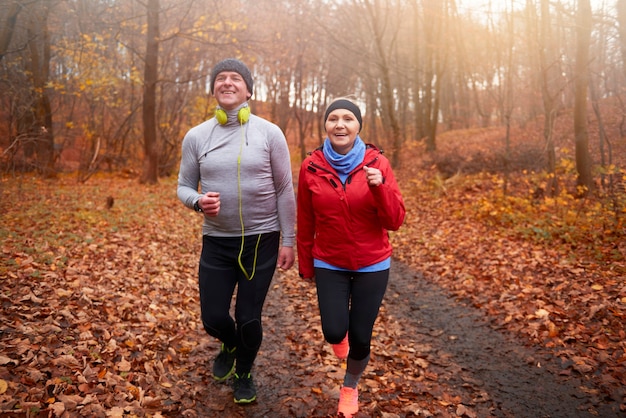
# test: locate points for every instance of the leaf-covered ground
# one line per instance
(100, 314)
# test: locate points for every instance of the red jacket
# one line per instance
(346, 226)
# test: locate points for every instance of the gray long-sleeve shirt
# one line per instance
(250, 167)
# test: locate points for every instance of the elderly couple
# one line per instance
(347, 200)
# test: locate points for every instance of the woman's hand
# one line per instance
(373, 175)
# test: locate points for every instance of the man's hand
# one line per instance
(210, 203)
(286, 258)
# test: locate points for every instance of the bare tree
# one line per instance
(621, 18)
(583, 158)
(150, 141)
(507, 100)
(384, 34)
(417, 66)
(34, 130)
(435, 59)
(8, 25)
(549, 73)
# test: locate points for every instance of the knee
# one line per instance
(334, 336)
(252, 334)
(359, 346)
(359, 351)
(217, 326)
(212, 331)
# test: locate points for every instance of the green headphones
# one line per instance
(242, 116)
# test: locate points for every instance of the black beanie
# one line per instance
(345, 104)
(232, 64)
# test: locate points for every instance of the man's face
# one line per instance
(230, 90)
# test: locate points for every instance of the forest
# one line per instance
(92, 85)
(505, 122)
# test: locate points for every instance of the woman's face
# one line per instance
(342, 127)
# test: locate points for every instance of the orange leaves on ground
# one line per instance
(552, 275)
(90, 296)
(100, 305)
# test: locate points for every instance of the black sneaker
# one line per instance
(245, 392)
(224, 363)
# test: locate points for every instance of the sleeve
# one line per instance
(390, 204)
(306, 226)
(283, 183)
(189, 173)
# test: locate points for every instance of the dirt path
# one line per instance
(517, 380)
(432, 356)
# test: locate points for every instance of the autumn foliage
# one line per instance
(100, 313)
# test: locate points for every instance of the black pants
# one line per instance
(349, 302)
(219, 274)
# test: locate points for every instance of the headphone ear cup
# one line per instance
(243, 115)
(221, 116)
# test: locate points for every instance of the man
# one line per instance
(243, 167)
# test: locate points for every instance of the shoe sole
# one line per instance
(244, 401)
(229, 374)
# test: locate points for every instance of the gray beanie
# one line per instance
(232, 64)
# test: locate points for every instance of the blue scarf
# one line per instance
(344, 164)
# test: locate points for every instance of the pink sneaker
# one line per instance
(348, 402)
(341, 349)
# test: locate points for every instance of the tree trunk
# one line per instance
(508, 102)
(383, 52)
(547, 69)
(605, 146)
(583, 158)
(435, 15)
(39, 47)
(621, 19)
(150, 141)
(9, 27)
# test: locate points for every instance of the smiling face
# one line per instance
(230, 90)
(342, 128)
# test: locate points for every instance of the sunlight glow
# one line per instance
(496, 6)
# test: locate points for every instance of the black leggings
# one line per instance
(349, 302)
(219, 273)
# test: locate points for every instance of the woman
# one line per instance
(348, 199)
